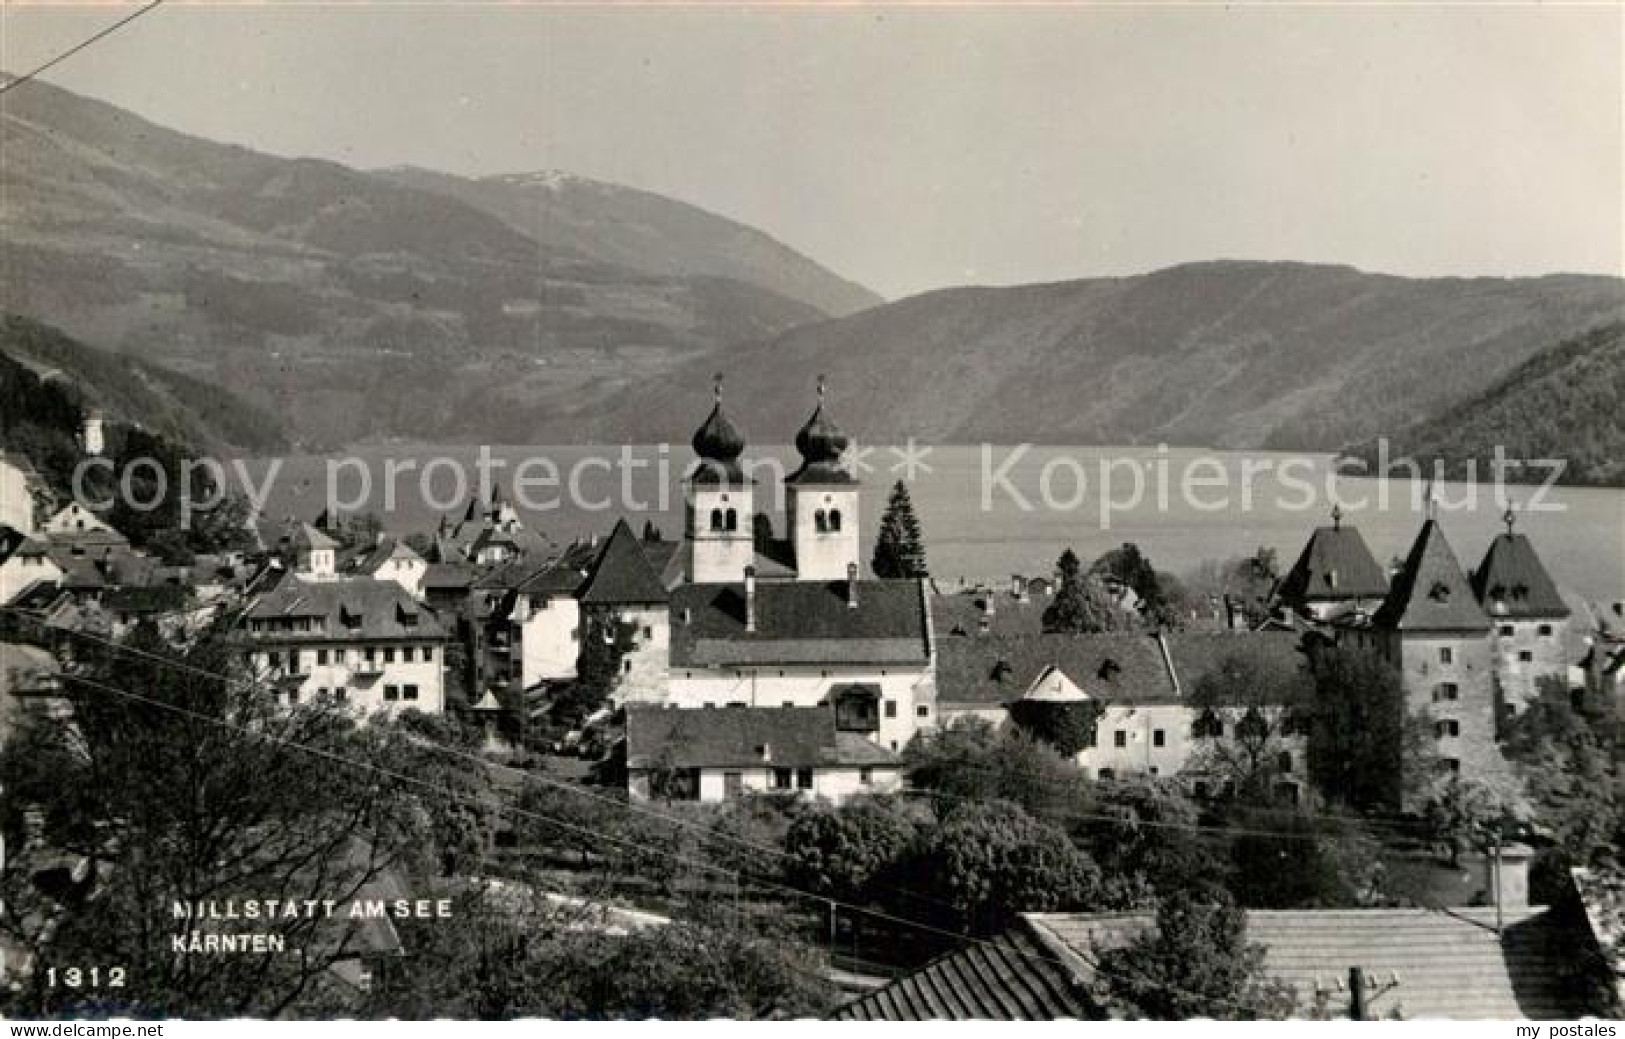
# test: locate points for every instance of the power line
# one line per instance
(81, 45)
(674, 856)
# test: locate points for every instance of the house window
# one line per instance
(1506, 629)
(273, 661)
(866, 776)
(733, 784)
(1450, 765)
(1154, 770)
(835, 519)
(1526, 656)
(1445, 728)
(1208, 726)
(389, 654)
(1201, 789)
(732, 519)
(648, 633)
(1105, 775)
(922, 711)
(321, 656)
(392, 692)
(1545, 629)
(406, 654)
(1158, 739)
(891, 708)
(428, 654)
(1120, 738)
(1447, 655)
(781, 779)
(626, 667)
(1445, 691)
(804, 778)
(716, 519)
(371, 654)
(341, 695)
(409, 692)
(1283, 763)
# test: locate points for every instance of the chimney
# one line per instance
(988, 605)
(851, 586)
(1506, 877)
(688, 616)
(766, 752)
(1018, 587)
(750, 598)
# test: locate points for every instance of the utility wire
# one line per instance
(12, 84)
(674, 856)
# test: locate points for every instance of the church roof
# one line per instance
(1334, 565)
(822, 445)
(799, 622)
(718, 443)
(623, 574)
(1512, 582)
(1430, 592)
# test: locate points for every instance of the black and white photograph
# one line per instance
(568, 511)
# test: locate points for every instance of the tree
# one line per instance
(1145, 835)
(1249, 710)
(1474, 814)
(970, 760)
(842, 851)
(1078, 606)
(1130, 567)
(1195, 962)
(605, 640)
(1068, 726)
(1245, 580)
(987, 863)
(900, 547)
(1300, 862)
(176, 779)
(1365, 749)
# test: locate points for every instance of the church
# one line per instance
(802, 673)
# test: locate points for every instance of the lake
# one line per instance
(988, 512)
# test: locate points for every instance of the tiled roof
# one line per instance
(1198, 653)
(448, 576)
(623, 574)
(386, 549)
(799, 622)
(160, 598)
(964, 612)
(1431, 593)
(357, 608)
(1512, 582)
(1334, 565)
(793, 737)
(1012, 977)
(994, 669)
(1448, 963)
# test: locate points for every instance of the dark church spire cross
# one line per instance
(716, 387)
(1337, 515)
(1510, 517)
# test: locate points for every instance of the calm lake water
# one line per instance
(988, 512)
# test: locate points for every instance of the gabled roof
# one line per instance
(799, 622)
(1430, 592)
(1335, 565)
(622, 574)
(1448, 963)
(386, 549)
(1053, 686)
(1011, 977)
(997, 669)
(962, 613)
(756, 737)
(1196, 654)
(308, 537)
(1512, 582)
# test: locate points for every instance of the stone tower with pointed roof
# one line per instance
(1432, 629)
(721, 502)
(1530, 618)
(821, 499)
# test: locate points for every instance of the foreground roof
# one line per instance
(800, 622)
(1335, 565)
(1423, 963)
(1012, 977)
(1512, 581)
(1430, 592)
(759, 737)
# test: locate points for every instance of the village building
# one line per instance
(392, 559)
(17, 482)
(75, 524)
(25, 564)
(1140, 684)
(363, 643)
(721, 754)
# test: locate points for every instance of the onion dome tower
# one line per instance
(822, 499)
(721, 502)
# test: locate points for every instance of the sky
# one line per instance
(911, 148)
